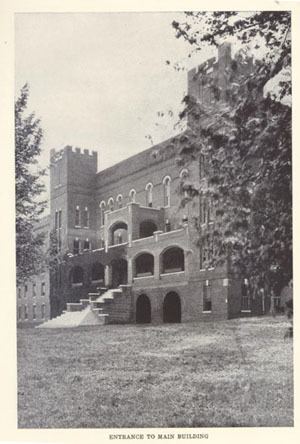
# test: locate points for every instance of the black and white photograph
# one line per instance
(153, 215)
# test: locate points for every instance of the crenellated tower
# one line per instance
(72, 203)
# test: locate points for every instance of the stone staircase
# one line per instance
(95, 310)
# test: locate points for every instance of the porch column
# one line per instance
(156, 267)
(129, 271)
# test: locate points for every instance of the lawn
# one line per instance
(222, 374)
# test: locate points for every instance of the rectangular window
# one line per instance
(86, 218)
(25, 312)
(43, 288)
(58, 167)
(202, 166)
(86, 245)
(206, 296)
(43, 311)
(76, 246)
(19, 293)
(56, 220)
(59, 219)
(34, 312)
(19, 313)
(25, 290)
(207, 251)
(246, 300)
(77, 217)
(34, 290)
(203, 210)
(59, 242)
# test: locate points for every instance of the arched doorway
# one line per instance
(143, 310)
(119, 272)
(172, 308)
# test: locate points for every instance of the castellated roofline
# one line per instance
(56, 154)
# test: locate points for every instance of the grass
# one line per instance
(224, 374)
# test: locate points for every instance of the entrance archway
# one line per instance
(119, 272)
(172, 308)
(143, 310)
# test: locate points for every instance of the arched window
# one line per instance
(77, 216)
(118, 233)
(149, 188)
(173, 260)
(144, 265)
(102, 211)
(132, 195)
(120, 201)
(111, 204)
(86, 218)
(167, 191)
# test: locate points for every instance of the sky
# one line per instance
(98, 80)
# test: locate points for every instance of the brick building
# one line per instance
(33, 304)
(133, 250)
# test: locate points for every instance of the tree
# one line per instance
(28, 137)
(245, 141)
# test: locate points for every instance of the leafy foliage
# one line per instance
(243, 136)
(29, 242)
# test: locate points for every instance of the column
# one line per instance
(156, 267)
(129, 272)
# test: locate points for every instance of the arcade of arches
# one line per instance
(171, 309)
(171, 261)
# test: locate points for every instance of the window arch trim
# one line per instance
(149, 194)
(167, 191)
(132, 195)
(183, 173)
(102, 207)
(119, 200)
(110, 203)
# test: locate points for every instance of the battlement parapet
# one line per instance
(219, 65)
(70, 150)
